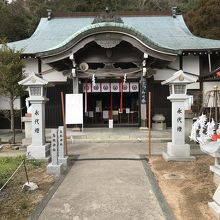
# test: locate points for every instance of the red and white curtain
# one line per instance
(134, 87)
(105, 87)
(111, 87)
(115, 87)
(126, 87)
(96, 87)
(89, 87)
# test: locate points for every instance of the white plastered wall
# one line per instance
(52, 75)
(163, 74)
(31, 66)
(48, 73)
(190, 65)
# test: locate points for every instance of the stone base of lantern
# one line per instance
(143, 128)
(26, 141)
(216, 177)
(64, 161)
(177, 152)
(39, 152)
(159, 126)
(55, 169)
(28, 128)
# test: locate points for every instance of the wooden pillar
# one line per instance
(75, 85)
(210, 63)
(39, 65)
(180, 62)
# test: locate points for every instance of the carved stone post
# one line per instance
(61, 154)
(37, 97)
(178, 150)
(54, 167)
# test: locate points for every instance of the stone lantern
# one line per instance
(177, 149)
(37, 97)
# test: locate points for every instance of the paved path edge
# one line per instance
(40, 207)
(168, 213)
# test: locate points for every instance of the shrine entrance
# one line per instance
(104, 101)
(114, 71)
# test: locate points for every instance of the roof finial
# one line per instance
(49, 14)
(107, 9)
(107, 16)
(174, 9)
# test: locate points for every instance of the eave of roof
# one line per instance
(161, 33)
(109, 27)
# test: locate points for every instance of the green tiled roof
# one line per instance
(163, 33)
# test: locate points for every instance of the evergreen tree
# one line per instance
(20, 18)
(204, 19)
(10, 74)
(13, 22)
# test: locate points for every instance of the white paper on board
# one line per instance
(74, 108)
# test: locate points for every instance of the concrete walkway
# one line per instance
(108, 181)
(104, 189)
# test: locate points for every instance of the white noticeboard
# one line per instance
(74, 109)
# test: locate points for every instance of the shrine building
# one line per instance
(115, 60)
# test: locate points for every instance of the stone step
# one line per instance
(115, 135)
(113, 139)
